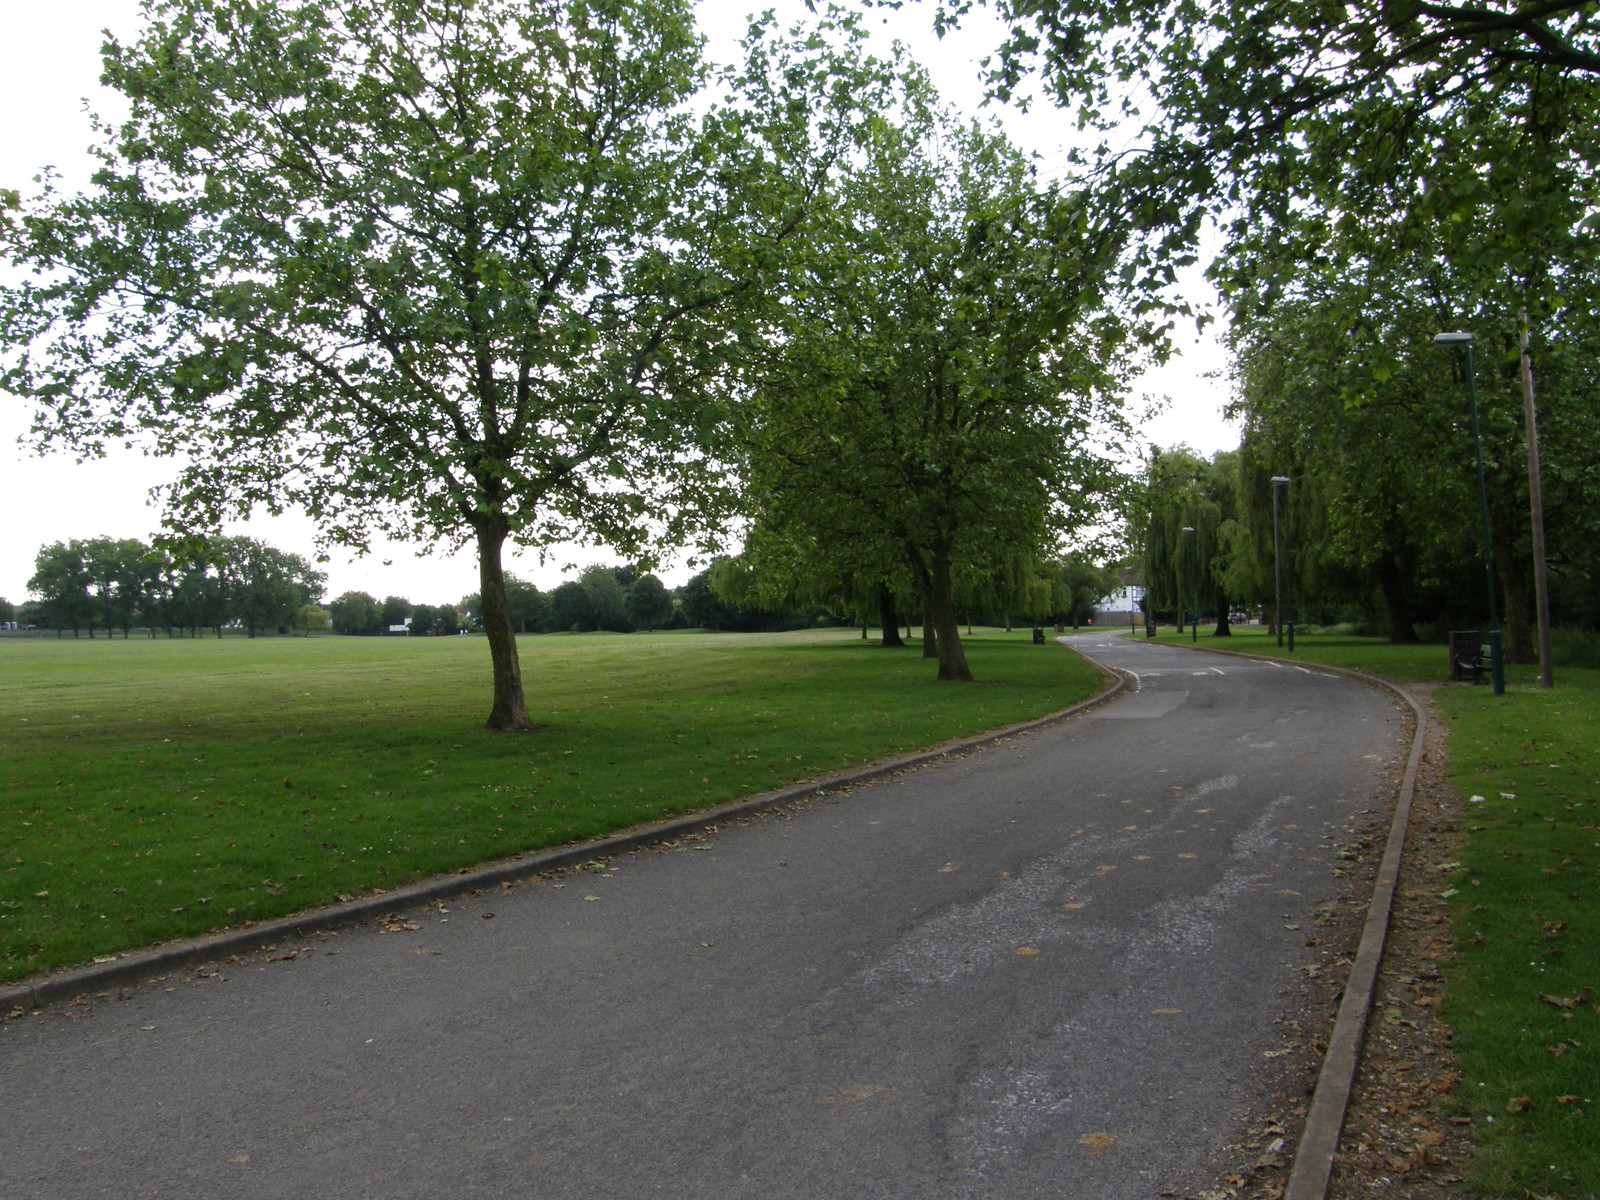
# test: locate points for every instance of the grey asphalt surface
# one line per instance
(1062, 966)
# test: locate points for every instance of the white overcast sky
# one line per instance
(49, 77)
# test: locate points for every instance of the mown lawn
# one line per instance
(152, 790)
(1524, 994)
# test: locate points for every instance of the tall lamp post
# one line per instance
(1497, 666)
(1279, 482)
(1194, 582)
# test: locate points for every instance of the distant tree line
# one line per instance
(123, 584)
(1014, 587)
(1376, 534)
(608, 599)
(360, 614)
(113, 584)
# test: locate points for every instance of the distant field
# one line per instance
(154, 789)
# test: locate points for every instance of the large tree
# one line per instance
(355, 613)
(264, 587)
(446, 269)
(925, 404)
(61, 581)
(649, 603)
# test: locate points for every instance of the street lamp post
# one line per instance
(1194, 582)
(1497, 668)
(1278, 483)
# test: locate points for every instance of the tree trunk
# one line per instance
(1514, 594)
(888, 620)
(942, 621)
(930, 636)
(1224, 625)
(1391, 582)
(510, 711)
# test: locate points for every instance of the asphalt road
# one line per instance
(1059, 967)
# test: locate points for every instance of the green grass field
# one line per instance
(158, 789)
(1524, 994)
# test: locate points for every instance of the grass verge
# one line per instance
(154, 790)
(1523, 995)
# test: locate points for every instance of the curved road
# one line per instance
(1057, 967)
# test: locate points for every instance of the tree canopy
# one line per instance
(449, 269)
(1241, 109)
(936, 390)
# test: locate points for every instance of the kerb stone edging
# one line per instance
(140, 966)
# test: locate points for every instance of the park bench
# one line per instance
(1469, 658)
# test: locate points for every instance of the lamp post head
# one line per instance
(1458, 338)
(1280, 479)
(1188, 528)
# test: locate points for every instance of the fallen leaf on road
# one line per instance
(1026, 952)
(854, 1094)
(1098, 1143)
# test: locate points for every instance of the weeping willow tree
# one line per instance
(1191, 532)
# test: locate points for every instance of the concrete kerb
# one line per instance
(141, 966)
(1319, 1141)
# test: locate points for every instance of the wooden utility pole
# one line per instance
(1541, 581)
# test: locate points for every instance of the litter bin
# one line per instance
(1038, 636)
